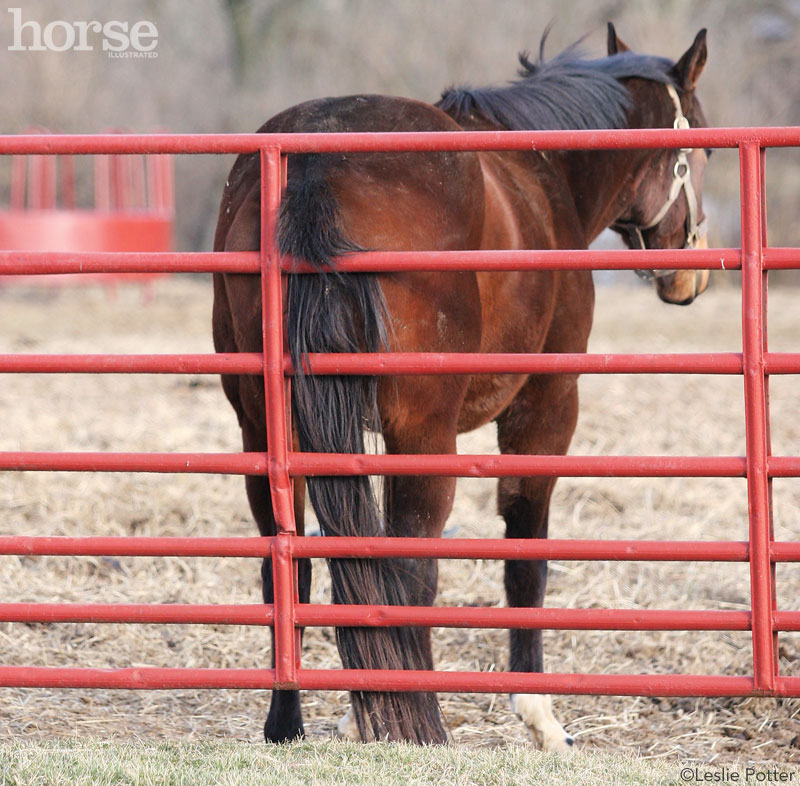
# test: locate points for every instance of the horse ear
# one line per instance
(615, 43)
(690, 66)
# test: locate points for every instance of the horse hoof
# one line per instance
(558, 744)
(347, 728)
(280, 737)
(536, 713)
(284, 722)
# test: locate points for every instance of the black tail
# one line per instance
(332, 312)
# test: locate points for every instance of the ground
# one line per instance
(619, 415)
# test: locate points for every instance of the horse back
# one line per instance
(387, 201)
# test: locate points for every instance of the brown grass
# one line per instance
(620, 415)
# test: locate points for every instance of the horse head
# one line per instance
(666, 210)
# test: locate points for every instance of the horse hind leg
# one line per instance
(416, 506)
(540, 420)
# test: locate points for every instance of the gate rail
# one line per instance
(758, 466)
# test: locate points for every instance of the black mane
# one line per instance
(567, 92)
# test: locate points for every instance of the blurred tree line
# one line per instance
(228, 65)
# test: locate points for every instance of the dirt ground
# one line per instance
(620, 415)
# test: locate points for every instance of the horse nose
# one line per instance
(701, 279)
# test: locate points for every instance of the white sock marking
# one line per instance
(536, 713)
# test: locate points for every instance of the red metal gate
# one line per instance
(758, 466)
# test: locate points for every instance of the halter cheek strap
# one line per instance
(681, 183)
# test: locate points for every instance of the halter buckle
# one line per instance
(681, 170)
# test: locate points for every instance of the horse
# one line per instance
(337, 204)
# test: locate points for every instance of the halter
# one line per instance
(681, 182)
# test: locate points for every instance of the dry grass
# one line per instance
(620, 414)
(89, 762)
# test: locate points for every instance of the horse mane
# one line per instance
(568, 92)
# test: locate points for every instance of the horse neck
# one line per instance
(604, 182)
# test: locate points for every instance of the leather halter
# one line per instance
(681, 183)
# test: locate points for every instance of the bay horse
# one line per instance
(335, 204)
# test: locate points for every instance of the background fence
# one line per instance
(131, 209)
(757, 467)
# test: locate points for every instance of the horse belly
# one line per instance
(517, 310)
(487, 396)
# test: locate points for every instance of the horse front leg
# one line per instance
(285, 720)
(540, 420)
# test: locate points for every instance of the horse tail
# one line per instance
(332, 312)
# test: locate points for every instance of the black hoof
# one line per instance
(279, 735)
(285, 720)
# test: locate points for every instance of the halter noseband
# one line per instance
(681, 182)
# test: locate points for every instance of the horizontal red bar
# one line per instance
(203, 463)
(121, 546)
(601, 139)
(499, 363)
(312, 615)
(782, 362)
(303, 464)
(532, 259)
(389, 363)
(50, 262)
(786, 620)
(516, 682)
(484, 548)
(174, 613)
(456, 682)
(781, 258)
(119, 262)
(547, 619)
(479, 466)
(220, 363)
(401, 363)
(441, 548)
(146, 678)
(784, 551)
(783, 466)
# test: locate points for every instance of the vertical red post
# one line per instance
(159, 183)
(137, 196)
(277, 421)
(67, 164)
(102, 183)
(42, 191)
(765, 286)
(118, 195)
(19, 185)
(756, 417)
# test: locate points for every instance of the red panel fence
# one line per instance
(758, 467)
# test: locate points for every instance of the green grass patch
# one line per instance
(91, 763)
